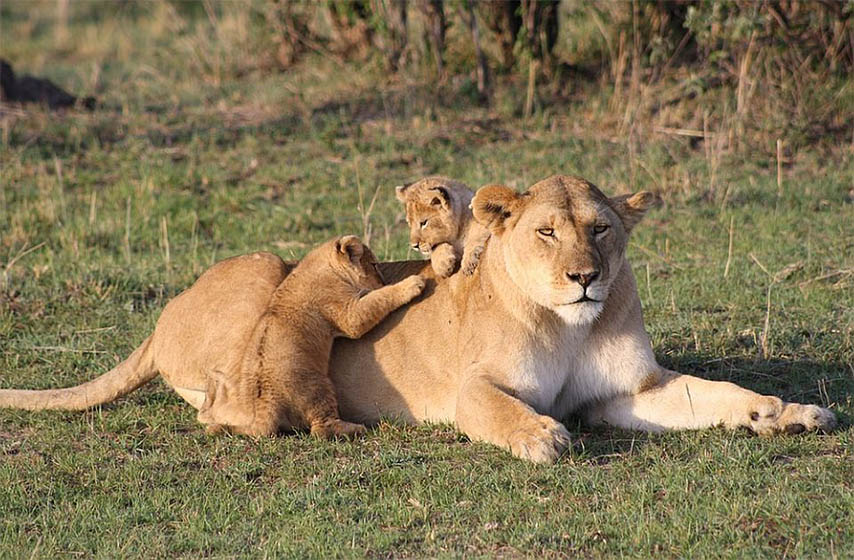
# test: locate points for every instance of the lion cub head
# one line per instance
(563, 241)
(345, 258)
(437, 211)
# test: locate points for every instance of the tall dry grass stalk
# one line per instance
(93, 209)
(164, 240)
(729, 246)
(127, 231)
(365, 211)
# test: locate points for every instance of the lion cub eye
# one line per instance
(424, 223)
(600, 228)
(546, 232)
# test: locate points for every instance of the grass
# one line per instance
(269, 161)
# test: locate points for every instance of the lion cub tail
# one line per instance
(137, 370)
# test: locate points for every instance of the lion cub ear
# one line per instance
(400, 191)
(351, 247)
(632, 207)
(442, 197)
(492, 205)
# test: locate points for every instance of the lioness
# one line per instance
(283, 384)
(549, 323)
(441, 225)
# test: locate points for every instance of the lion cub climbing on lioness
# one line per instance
(284, 384)
(441, 224)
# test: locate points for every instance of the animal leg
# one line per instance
(685, 402)
(486, 412)
(443, 259)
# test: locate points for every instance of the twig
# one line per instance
(127, 231)
(367, 227)
(21, 254)
(93, 200)
(66, 349)
(164, 236)
(656, 255)
(827, 276)
(779, 168)
(762, 266)
(763, 337)
(99, 329)
(684, 132)
(729, 250)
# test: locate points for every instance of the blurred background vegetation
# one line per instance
(750, 71)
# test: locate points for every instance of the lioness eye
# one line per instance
(600, 228)
(546, 232)
(424, 223)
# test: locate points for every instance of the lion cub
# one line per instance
(283, 384)
(441, 224)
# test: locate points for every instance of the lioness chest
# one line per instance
(541, 371)
(559, 376)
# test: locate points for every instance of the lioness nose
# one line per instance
(583, 278)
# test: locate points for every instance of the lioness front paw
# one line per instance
(771, 415)
(543, 441)
(797, 418)
(443, 259)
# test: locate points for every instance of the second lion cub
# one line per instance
(284, 384)
(441, 224)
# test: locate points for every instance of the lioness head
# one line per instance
(436, 210)
(353, 260)
(563, 241)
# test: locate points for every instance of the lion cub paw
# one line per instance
(471, 260)
(771, 416)
(337, 429)
(443, 259)
(412, 286)
(542, 442)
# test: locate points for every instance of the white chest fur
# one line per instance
(542, 369)
(577, 369)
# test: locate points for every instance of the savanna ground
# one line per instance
(106, 215)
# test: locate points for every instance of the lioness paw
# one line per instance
(542, 442)
(443, 259)
(771, 415)
(797, 418)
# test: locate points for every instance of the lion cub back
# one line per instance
(283, 384)
(441, 223)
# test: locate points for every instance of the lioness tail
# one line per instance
(137, 370)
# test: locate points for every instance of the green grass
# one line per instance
(277, 161)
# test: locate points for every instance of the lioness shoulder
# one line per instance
(283, 383)
(441, 225)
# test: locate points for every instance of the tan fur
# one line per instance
(441, 225)
(502, 353)
(283, 383)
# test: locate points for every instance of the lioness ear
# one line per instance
(351, 247)
(442, 198)
(400, 191)
(632, 207)
(492, 205)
